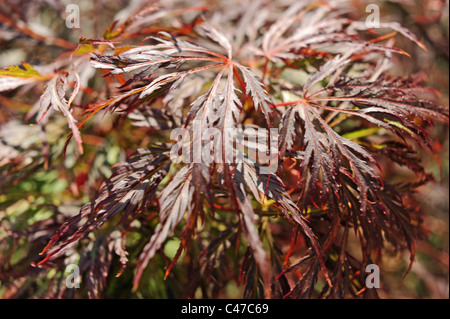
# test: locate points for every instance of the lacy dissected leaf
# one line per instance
(183, 193)
(218, 37)
(128, 190)
(319, 159)
(203, 109)
(390, 104)
(319, 27)
(54, 97)
(178, 98)
(358, 25)
(331, 161)
(147, 61)
(328, 68)
(229, 110)
(251, 232)
(256, 90)
(174, 201)
(288, 130)
(272, 187)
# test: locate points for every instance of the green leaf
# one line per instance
(19, 72)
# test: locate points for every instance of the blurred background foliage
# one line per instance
(39, 188)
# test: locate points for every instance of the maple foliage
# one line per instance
(231, 71)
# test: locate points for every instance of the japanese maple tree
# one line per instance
(307, 228)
